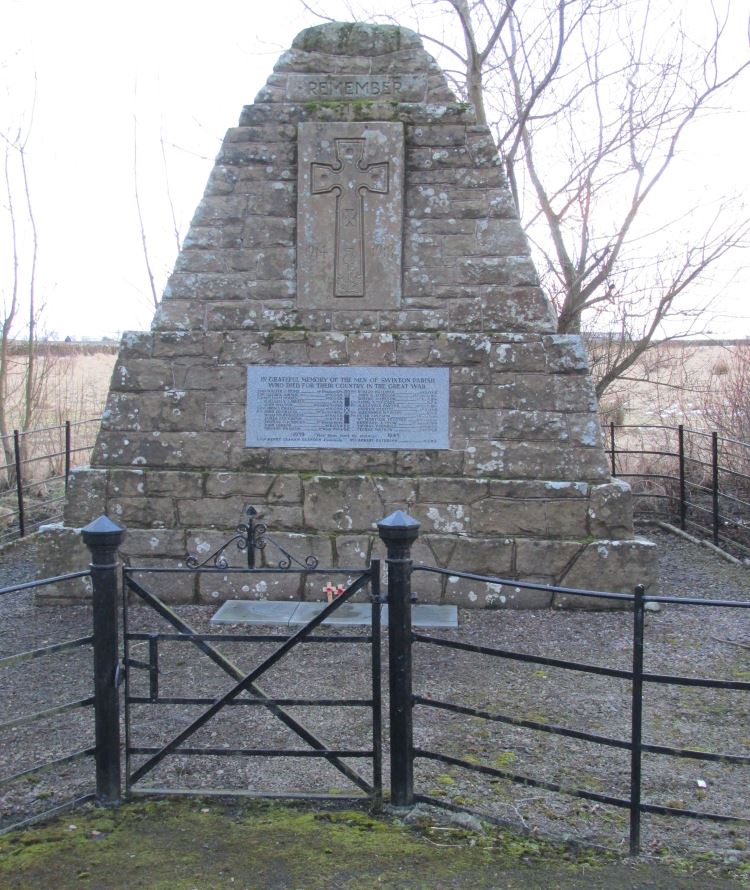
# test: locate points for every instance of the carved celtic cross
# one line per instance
(350, 179)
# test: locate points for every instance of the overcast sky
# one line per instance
(110, 76)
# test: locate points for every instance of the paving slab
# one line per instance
(255, 612)
(289, 612)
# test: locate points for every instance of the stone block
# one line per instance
(444, 518)
(566, 353)
(136, 344)
(473, 594)
(611, 511)
(437, 490)
(507, 308)
(148, 543)
(249, 485)
(217, 587)
(176, 314)
(141, 512)
(126, 483)
(177, 343)
(372, 349)
(286, 489)
(518, 357)
(335, 460)
(613, 566)
(547, 560)
(86, 497)
(534, 518)
(220, 416)
(170, 587)
(327, 348)
(173, 483)
(138, 375)
(430, 463)
(56, 550)
(353, 551)
(484, 556)
(344, 504)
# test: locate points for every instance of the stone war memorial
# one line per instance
(354, 326)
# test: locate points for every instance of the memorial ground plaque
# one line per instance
(349, 215)
(325, 407)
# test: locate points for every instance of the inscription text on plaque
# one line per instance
(294, 406)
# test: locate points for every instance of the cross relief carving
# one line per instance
(350, 179)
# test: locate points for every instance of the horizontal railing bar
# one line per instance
(48, 712)
(696, 681)
(48, 814)
(44, 767)
(524, 585)
(316, 702)
(658, 810)
(736, 500)
(45, 650)
(578, 734)
(43, 582)
(527, 724)
(240, 792)
(257, 752)
(49, 429)
(698, 601)
(233, 570)
(246, 638)
(522, 780)
(690, 754)
(530, 659)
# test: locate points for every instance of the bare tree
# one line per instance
(590, 102)
(24, 367)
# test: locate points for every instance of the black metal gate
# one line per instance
(158, 749)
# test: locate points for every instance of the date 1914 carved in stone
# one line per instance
(350, 215)
(350, 179)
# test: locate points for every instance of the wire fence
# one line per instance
(698, 480)
(35, 471)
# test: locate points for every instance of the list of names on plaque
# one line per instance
(294, 406)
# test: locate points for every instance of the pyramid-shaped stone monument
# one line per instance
(354, 325)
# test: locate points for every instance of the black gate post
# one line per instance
(398, 532)
(103, 538)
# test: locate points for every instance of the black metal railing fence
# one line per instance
(50, 713)
(398, 532)
(696, 480)
(35, 470)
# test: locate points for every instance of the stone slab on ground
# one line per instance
(288, 613)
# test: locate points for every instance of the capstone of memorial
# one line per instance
(354, 325)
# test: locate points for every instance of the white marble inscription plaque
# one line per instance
(293, 406)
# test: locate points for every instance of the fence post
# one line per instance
(103, 537)
(636, 722)
(19, 483)
(398, 532)
(67, 454)
(715, 484)
(681, 450)
(612, 446)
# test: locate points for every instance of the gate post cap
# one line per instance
(397, 526)
(102, 532)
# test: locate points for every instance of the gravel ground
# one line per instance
(700, 642)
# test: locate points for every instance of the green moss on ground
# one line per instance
(206, 845)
